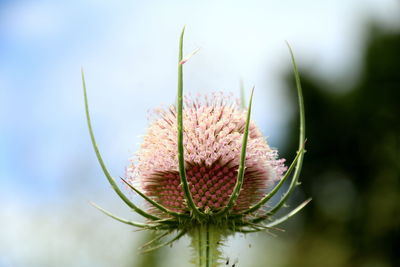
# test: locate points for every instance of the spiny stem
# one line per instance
(206, 240)
(182, 171)
(102, 164)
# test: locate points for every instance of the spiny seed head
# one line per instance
(213, 131)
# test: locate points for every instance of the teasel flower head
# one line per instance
(205, 170)
(212, 139)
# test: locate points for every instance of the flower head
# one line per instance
(213, 130)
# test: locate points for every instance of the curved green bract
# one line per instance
(289, 215)
(246, 231)
(103, 166)
(136, 224)
(154, 203)
(182, 233)
(155, 239)
(302, 138)
(275, 189)
(302, 131)
(240, 175)
(181, 158)
(251, 228)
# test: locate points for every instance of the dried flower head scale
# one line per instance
(203, 168)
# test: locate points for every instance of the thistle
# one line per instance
(204, 168)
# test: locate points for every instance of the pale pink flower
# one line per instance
(213, 131)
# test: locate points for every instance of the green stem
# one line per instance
(206, 240)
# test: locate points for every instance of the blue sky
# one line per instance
(128, 50)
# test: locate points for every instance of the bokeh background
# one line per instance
(348, 53)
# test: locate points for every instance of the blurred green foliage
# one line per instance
(352, 164)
